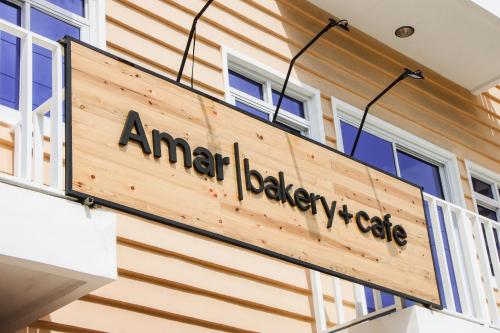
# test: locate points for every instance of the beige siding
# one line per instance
(172, 281)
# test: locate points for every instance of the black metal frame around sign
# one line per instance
(68, 40)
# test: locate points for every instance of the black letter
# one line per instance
(219, 163)
(330, 212)
(204, 161)
(400, 235)
(387, 225)
(345, 214)
(312, 198)
(364, 215)
(377, 227)
(272, 188)
(285, 191)
(248, 178)
(301, 197)
(133, 120)
(172, 147)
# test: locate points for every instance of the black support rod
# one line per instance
(332, 23)
(407, 72)
(190, 38)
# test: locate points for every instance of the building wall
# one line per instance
(174, 281)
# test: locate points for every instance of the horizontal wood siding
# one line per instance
(172, 281)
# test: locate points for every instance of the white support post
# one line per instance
(38, 151)
(360, 300)
(472, 267)
(458, 265)
(16, 129)
(492, 246)
(318, 301)
(56, 133)
(441, 254)
(398, 303)
(26, 101)
(377, 299)
(485, 270)
(339, 306)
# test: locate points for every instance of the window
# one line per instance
(485, 189)
(399, 153)
(52, 19)
(255, 89)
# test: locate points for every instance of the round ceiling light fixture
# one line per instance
(405, 31)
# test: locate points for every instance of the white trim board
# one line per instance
(258, 71)
(404, 141)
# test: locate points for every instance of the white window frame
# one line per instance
(406, 142)
(311, 126)
(487, 176)
(92, 30)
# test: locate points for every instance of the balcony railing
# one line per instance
(466, 244)
(33, 128)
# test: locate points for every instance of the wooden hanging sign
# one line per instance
(146, 145)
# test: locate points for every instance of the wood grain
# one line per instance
(104, 90)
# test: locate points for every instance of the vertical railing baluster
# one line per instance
(360, 300)
(38, 151)
(441, 255)
(56, 120)
(485, 269)
(377, 299)
(318, 301)
(26, 102)
(473, 269)
(339, 306)
(458, 264)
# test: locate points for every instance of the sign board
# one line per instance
(143, 144)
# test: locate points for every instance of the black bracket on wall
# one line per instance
(190, 38)
(407, 73)
(332, 23)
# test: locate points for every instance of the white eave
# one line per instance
(459, 39)
(52, 252)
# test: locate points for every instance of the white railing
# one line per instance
(31, 127)
(469, 268)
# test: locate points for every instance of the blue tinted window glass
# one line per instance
(54, 29)
(289, 104)
(251, 110)
(422, 173)
(371, 149)
(75, 6)
(491, 214)
(482, 187)
(9, 58)
(242, 83)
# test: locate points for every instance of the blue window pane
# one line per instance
(9, 58)
(491, 214)
(371, 149)
(51, 27)
(497, 244)
(54, 29)
(10, 12)
(75, 6)
(289, 104)
(482, 187)
(251, 110)
(242, 83)
(422, 173)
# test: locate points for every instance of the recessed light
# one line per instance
(405, 31)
